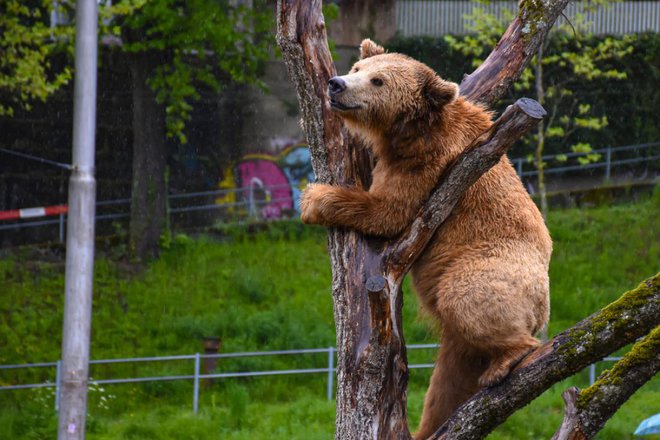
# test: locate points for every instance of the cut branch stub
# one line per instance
(379, 309)
(569, 429)
(376, 283)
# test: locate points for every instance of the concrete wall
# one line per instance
(271, 119)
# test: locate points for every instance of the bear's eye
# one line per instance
(377, 82)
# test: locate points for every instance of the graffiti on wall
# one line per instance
(267, 186)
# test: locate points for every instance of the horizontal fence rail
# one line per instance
(197, 375)
(251, 202)
(607, 160)
(440, 17)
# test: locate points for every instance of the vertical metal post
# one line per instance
(592, 374)
(58, 381)
(168, 214)
(608, 166)
(196, 384)
(252, 210)
(519, 165)
(80, 233)
(331, 371)
(61, 228)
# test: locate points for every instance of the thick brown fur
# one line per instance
(484, 276)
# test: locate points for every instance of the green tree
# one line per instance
(580, 58)
(27, 47)
(173, 47)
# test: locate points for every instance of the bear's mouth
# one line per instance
(336, 105)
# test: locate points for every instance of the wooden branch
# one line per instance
(478, 158)
(567, 429)
(513, 52)
(587, 411)
(633, 315)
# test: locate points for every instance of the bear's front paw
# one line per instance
(310, 204)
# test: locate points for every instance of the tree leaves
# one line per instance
(582, 57)
(27, 45)
(202, 43)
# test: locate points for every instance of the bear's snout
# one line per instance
(336, 85)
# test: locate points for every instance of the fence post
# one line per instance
(168, 214)
(331, 371)
(592, 374)
(196, 384)
(62, 228)
(58, 376)
(608, 159)
(519, 165)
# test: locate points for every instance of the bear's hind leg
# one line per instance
(455, 378)
(495, 304)
(505, 359)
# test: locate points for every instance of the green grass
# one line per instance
(268, 291)
(600, 253)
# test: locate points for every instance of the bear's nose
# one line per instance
(336, 85)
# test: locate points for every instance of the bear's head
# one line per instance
(386, 93)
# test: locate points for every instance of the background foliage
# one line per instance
(201, 43)
(27, 48)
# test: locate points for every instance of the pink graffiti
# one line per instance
(265, 186)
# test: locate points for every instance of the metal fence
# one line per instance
(248, 204)
(197, 376)
(440, 17)
(607, 159)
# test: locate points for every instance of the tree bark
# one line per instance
(587, 411)
(149, 189)
(367, 272)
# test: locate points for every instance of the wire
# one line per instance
(38, 159)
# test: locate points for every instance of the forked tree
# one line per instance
(367, 272)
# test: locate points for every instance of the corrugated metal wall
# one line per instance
(439, 17)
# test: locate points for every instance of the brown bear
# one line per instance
(484, 275)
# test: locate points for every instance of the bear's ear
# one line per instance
(439, 92)
(368, 49)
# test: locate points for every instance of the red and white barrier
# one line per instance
(41, 211)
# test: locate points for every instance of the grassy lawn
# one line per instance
(271, 291)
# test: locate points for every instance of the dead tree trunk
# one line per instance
(367, 273)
